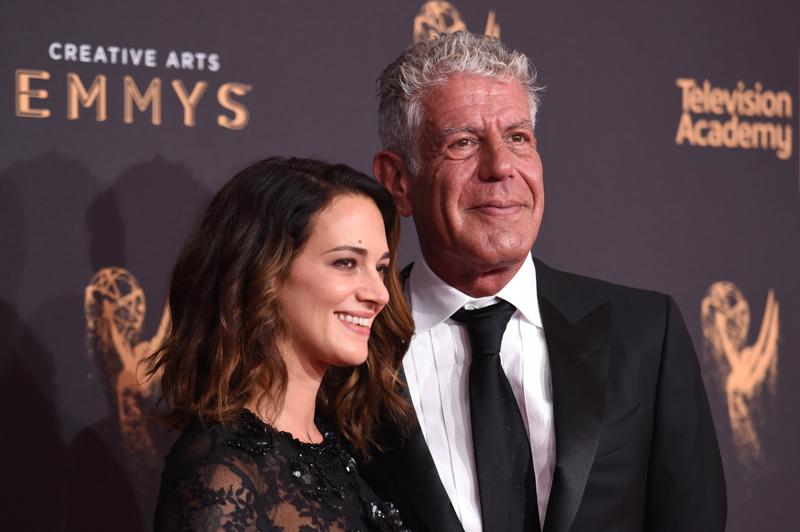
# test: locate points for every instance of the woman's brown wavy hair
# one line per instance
(222, 351)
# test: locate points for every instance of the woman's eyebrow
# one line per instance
(352, 249)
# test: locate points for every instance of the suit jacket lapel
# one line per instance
(577, 334)
(414, 472)
(411, 465)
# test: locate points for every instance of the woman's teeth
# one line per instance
(364, 322)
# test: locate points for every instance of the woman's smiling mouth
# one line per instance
(363, 322)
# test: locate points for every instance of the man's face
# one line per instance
(478, 198)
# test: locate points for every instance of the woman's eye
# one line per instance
(383, 269)
(346, 263)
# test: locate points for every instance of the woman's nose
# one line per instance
(374, 289)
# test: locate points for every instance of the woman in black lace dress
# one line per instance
(288, 329)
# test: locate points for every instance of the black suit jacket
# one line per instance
(636, 447)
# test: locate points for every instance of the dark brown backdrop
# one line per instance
(625, 202)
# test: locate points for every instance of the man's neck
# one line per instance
(475, 283)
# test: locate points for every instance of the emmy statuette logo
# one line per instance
(746, 372)
(115, 307)
(443, 16)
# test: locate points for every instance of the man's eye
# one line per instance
(463, 143)
(519, 137)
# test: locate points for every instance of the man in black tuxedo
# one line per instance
(591, 414)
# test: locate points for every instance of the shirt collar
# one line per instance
(433, 301)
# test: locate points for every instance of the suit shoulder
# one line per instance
(597, 290)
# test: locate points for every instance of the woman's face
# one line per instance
(335, 287)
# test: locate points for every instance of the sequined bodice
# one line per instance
(246, 476)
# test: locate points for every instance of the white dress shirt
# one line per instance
(437, 370)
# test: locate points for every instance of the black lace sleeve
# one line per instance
(210, 492)
(214, 499)
(247, 477)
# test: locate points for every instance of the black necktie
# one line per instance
(506, 480)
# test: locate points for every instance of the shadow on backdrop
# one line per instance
(31, 450)
(135, 228)
(58, 227)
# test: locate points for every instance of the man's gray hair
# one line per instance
(429, 64)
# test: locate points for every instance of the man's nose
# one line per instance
(496, 160)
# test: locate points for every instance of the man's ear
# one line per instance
(391, 171)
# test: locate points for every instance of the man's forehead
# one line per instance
(477, 102)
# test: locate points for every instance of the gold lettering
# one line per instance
(696, 103)
(730, 99)
(241, 116)
(24, 93)
(765, 132)
(740, 97)
(77, 93)
(686, 84)
(784, 142)
(769, 103)
(729, 132)
(784, 104)
(714, 133)
(189, 101)
(715, 101)
(757, 110)
(152, 95)
(685, 130)
(699, 139)
(706, 98)
(740, 101)
(743, 135)
(748, 98)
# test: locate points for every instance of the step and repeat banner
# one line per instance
(668, 134)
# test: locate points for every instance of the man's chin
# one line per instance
(487, 259)
(498, 247)
(499, 262)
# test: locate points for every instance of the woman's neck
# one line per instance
(297, 415)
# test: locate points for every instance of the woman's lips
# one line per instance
(358, 324)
